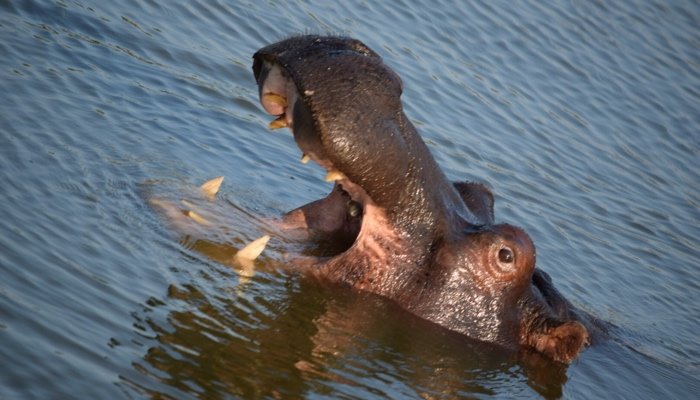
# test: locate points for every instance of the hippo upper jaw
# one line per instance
(343, 106)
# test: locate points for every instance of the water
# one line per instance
(583, 118)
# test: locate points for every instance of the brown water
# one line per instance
(583, 118)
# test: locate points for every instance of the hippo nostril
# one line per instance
(354, 209)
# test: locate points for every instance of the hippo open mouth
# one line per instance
(403, 230)
(348, 215)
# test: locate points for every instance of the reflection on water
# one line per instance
(581, 116)
(319, 340)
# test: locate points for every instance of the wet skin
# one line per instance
(403, 230)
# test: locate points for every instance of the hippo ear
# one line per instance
(478, 198)
(562, 343)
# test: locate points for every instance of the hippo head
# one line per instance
(405, 231)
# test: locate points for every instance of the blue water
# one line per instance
(581, 116)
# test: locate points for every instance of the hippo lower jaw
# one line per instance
(408, 234)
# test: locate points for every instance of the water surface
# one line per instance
(582, 117)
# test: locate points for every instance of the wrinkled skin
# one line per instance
(405, 231)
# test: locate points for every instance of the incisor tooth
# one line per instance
(274, 98)
(334, 175)
(280, 122)
(305, 159)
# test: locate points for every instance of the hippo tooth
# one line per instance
(274, 99)
(196, 217)
(253, 249)
(305, 159)
(278, 123)
(211, 187)
(335, 175)
(243, 260)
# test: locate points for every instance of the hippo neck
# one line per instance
(440, 203)
(420, 200)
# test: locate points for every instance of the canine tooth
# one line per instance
(244, 259)
(211, 187)
(280, 122)
(253, 249)
(275, 99)
(196, 217)
(334, 175)
(305, 159)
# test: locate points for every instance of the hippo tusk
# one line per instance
(245, 257)
(211, 187)
(253, 249)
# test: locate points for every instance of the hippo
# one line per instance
(403, 230)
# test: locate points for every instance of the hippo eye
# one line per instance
(505, 255)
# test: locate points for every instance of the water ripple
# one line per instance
(582, 117)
